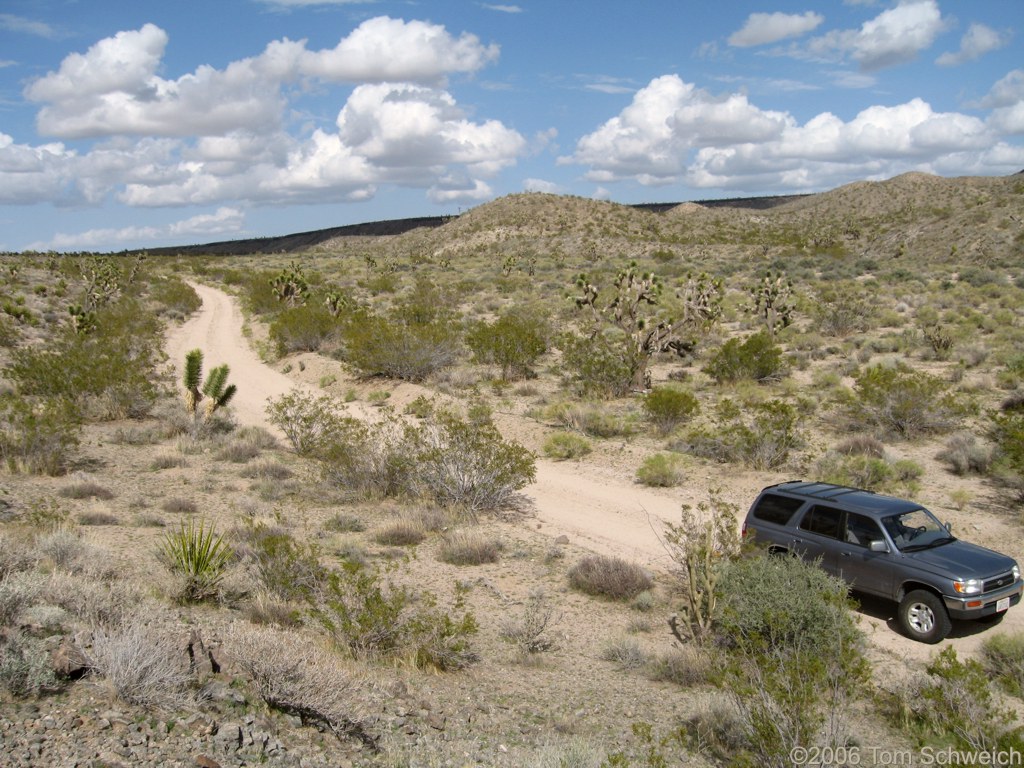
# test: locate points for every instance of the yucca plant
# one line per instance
(200, 556)
(215, 389)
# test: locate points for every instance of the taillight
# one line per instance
(743, 530)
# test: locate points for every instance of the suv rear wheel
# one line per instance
(923, 617)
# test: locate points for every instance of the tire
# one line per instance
(923, 617)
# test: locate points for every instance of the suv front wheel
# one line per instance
(923, 617)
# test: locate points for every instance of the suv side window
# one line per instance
(822, 520)
(861, 530)
(776, 509)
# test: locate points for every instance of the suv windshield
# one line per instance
(916, 529)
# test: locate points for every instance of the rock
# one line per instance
(204, 761)
(68, 660)
(228, 736)
(563, 540)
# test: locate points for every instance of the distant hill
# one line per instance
(301, 241)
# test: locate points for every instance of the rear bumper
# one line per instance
(979, 606)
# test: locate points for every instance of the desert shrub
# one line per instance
(303, 328)
(762, 435)
(566, 445)
(612, 577)
(199, 556)
(37, 437)
(267, 470)
(1002, 656)
(532, 632)
(470, 465)
(662, 470)
(900, 402)
(421, 407)
(136, 436)
(758, 358)
(469, 548)
(596, 365)
(238, 452)
(370, 460)
(258, 295)
(282, 565)
(590, 419)
(840, 312)
(86, 489)
(377, 620)
(25, 666)
(17, 591)
(144, 663)
(965, 455)
(384, 346)
(343, 523)
(882, 475)
(293, 675)
(109, 374)
(794, 656)
(175, 296)
(668, 407)
(625, 653)
(63, 549)
(861, 445)
(957, 702)
(307, 421)
(1007, 431)
(404, 532)
(685, 665)
(514, 342)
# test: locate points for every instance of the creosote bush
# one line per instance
(612, 577)
(668, 407)
(757, 358)
(566, 445)
(762, 435)
(662, 470)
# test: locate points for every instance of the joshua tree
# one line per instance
(772, 301)
(635, 307)
(290, 286)
(215, 389)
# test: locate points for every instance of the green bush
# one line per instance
(881, 475)
(597, 365)
(758, 358)
(761, 435)
(662, 470)
(668, 407)
(303, 328)
(381, 346)
(307, 422)
(900, 402)
(37, 437)
(1007, 430)
(794, 656)
(377, 620)
(25, 666)
(514, 342)
(288, 569)
(1002, 655)
(566, 445)
(108, 374)
(612, 577)
(175, 296)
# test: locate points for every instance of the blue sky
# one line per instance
(143, 123)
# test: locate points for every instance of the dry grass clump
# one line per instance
(965, 455)
(604, 576)
(861, 445)
(625, 652)
(267, 470)
(685, 665)
(63, 548)
(469, 548)
(143, 662)
(86, 489)
(177, 505)
(167, 461)
(295, 676)
(98, 518)
(344, 523)
(17, 592)
(403, 532)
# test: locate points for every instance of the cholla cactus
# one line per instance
(215, 390)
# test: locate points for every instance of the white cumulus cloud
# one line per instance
(673, 132)
(976, 42)
(764, 28)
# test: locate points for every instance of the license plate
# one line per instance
(1002, 605)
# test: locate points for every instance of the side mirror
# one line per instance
(878, 545)
(949, 526)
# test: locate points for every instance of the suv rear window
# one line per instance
(776, 509)
(822, 520)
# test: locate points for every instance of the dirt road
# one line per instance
(602, 515)
(598, 511)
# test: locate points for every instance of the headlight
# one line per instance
(968, 586)
(1016, 572)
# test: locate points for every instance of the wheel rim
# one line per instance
(921, 618)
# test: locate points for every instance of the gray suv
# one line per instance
(888, 547)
